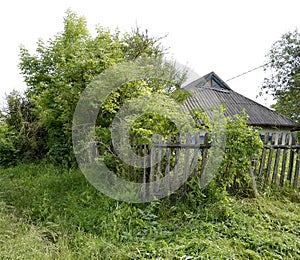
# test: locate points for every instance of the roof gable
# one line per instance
(210, 80)
(210, 92)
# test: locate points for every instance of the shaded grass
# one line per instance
(57, 214)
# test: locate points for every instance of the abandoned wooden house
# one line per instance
(210, 92)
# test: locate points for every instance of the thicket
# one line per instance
(37, 125)
(56, 75)
(243, 145)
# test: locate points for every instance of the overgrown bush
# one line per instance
(243, 144)
(8, 150)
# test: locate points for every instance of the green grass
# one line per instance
(47, 212)
(20, 240)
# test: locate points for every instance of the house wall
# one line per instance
(270, 131)
(274, 131)
(275, 134)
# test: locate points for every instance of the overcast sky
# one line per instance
(227, 37)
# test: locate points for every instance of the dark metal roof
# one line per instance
(207, 97)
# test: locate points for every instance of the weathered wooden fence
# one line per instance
(174, 158)
(279, 161)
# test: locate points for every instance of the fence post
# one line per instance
(254, 186)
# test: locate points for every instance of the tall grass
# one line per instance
(48, 212)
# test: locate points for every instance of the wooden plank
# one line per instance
(159, 166)
(283, 166)
(177, 159)
(277, 159)
(263, 158)
(204, 160)
(153, 166)
(282, 146)
(253, 181)
(168, 162)
(296, 176)
(196, 152)
(269, 164)
(186, 145)
(149, 169)
(186, 156)
(145, 172)
(292, 155)
(254, 166)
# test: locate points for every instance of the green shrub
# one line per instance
(8, 150)
(243, 144)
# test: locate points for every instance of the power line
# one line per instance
(244, 73)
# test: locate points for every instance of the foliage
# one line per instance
(8, 150)
(59, 71)
(57, 214)
(284, 66)
(57, 74)
(243, 144)
(28, 131)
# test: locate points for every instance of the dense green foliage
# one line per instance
(8, 150)
(56, 75)
(284, 82)
(243, 144)
(50, 213)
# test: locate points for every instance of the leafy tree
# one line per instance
(59, 71)
(283, 83)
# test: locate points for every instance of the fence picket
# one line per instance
(187, 156)
(292, 155)
(177, 159)
(283, 167)
(196, 151)
(172, 161)
(168, 164)
(269, 164)
(263, 159)
(277, 159)
(296, 177)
